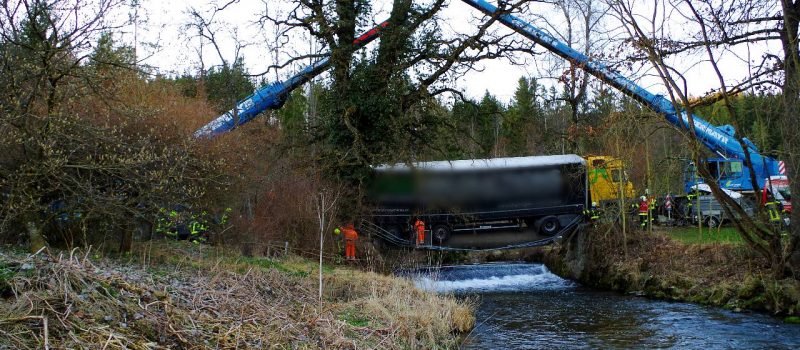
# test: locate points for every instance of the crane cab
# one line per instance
(730, 174)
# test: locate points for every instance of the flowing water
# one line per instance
(524, 306)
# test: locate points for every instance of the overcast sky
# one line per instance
(175, 51)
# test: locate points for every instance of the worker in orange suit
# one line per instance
(419, 225)
(350, 237)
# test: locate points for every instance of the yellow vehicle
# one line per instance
(607, 178)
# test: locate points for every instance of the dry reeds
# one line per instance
(74, 301)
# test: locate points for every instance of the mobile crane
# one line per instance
(728, 168)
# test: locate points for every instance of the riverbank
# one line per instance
(658, 266)
(177, 295)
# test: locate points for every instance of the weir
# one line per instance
(507, 277)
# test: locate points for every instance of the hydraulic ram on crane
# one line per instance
(274, 95)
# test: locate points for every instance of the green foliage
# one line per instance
(522, 117)
(706, 236)
(187, 84)
(757, 117)
(292, 116)
(366, 125)
(354, 318)
(465, 115)
(488, 125)
(227, 84)
(792, 319)
(270, 264)
(109, 54)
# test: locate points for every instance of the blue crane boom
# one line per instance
(273, 96)
(720, 140)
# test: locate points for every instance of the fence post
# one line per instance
(285, 248)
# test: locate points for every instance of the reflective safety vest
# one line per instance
(196, 228)
(773, 211)
(690, 199)
(419, 225)
(592, 214)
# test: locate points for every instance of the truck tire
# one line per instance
(440, 233)
(549, 226)
(713, 222)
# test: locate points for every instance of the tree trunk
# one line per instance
(791, 139)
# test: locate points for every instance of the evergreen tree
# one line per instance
(521, 117)
(490, 125)
(292, 116)
(225, 85)
(108, 54)
(465, 117)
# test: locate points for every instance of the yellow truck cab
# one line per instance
(606, 176)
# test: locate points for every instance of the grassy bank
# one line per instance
(674, 266)
(693, 235)
(182, 296)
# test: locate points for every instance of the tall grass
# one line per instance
(184, 296)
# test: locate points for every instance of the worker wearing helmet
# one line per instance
(419, 226)
(595, 212)
(644, 209)
(350, 237)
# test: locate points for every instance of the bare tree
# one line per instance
(73, 162)
(721, 26)
(581, 26)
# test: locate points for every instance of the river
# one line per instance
(524, 306)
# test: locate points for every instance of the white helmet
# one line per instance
(643, 198)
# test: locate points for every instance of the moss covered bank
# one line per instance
(657, 266)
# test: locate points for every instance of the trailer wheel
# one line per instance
(713, 222)
(441, 233)
(549, 226)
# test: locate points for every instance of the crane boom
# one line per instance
(720, 140)
(273, 96)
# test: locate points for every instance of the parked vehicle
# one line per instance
(777, 188)
(706, 209)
